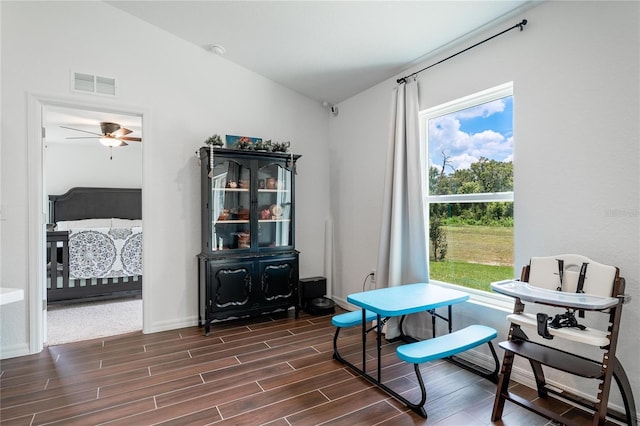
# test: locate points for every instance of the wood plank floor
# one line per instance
(273, 370)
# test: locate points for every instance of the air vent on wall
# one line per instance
(89, 83)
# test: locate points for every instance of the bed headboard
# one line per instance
(100, 203)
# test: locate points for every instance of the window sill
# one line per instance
(483, 298)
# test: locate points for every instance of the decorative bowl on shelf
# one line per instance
(243, 214)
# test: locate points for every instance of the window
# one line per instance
(469, 144)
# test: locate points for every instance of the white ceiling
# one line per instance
(326, 50)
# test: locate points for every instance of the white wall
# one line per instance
(186, 94)
(68, 165)
(577, 184)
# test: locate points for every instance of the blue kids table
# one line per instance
(400, 301)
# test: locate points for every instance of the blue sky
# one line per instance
(485, 130)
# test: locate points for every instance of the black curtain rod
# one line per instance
(518, 25)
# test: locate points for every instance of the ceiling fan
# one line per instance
(112, 134)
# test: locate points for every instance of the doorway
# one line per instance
(73, 156)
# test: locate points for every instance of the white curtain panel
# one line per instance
(403, 256)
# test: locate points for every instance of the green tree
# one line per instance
(438, 237)
(492, 175)
(485, 175)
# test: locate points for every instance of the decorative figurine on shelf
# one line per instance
(281, 146)
(224, 214)
(244, 143)
(261, 146)
(243, 240)
(215, 141)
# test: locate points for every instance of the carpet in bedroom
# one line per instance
(84, 321)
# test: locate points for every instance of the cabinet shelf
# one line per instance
(230, 189)
(285, 191)
(273, 220)
(230, 221)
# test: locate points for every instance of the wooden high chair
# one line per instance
(573, 284)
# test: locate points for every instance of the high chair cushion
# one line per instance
(599, 278)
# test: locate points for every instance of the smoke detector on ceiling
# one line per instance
(217, 49)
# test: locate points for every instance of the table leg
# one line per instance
(433, 323)
(364, 341)
(379, 343)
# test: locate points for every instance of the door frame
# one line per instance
(36, 233)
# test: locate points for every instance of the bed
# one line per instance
(94, 244)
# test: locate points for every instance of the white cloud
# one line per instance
(463, 161)
(463, 149)
(483, 110)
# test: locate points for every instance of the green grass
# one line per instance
(471, 275)
(489, 247)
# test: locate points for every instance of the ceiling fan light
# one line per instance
(110, 141)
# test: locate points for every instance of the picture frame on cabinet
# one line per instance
(241, 142)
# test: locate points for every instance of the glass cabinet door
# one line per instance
(274, 206)
(231, 206)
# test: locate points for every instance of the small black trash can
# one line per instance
(312, 292)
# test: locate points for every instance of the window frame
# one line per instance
(481, 297)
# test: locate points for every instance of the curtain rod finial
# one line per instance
(522, 24)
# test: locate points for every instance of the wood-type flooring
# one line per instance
(273, 370)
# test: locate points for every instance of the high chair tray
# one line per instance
(526, 292)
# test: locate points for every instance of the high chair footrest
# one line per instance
(555, 358)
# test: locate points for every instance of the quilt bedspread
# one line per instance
(105, 252)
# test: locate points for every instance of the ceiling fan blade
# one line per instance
(121, 132)
(80, 130)
(108, 128)
(131, 139)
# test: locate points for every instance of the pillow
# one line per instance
(125, 223)
(65, 225)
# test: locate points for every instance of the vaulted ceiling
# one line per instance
(326, 50)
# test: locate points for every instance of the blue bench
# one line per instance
(348, 319)
(446, 346)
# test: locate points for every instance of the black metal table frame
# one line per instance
(380, 321)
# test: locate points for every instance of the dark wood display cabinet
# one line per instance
(248, 264)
